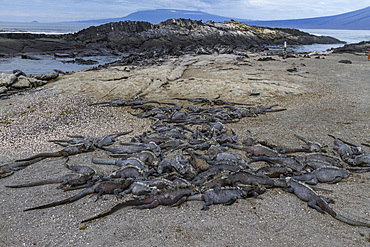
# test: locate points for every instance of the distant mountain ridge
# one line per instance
(159, 15)
(355, 20)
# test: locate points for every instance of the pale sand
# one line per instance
(325, 97)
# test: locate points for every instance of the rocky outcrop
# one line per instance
(185, 35)
(362, 47)
(172, 37)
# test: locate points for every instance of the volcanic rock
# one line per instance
(7, 80)
(171, 37)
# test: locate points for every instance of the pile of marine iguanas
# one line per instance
(190, 154)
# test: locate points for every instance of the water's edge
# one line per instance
(47, 64)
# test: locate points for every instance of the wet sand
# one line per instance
(322, 97)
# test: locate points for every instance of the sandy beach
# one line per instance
(321, 95)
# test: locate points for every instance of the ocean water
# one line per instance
(348, 36)
(48, 64)
(45, 28)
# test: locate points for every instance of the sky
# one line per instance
(73, 10)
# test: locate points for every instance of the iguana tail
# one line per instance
(135, 202)
(351, 222)
(42, 155)
(65, 201)
(37, 183)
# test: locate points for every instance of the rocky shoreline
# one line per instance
(360, 48)
(19, 81)
(171, 37)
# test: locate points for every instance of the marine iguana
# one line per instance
(72, 180)
(81, 175)
(223, 195)
(311, 146)
(145, 187)
(351, 153)
(305, 193)
(131, 148)
(317, 160)
(245, 177)
(171, 197)
(65, 152)
(289, 162)
(345, 151)
(119, 102)
(255, 150)
(101, 187)
(273, 171)
(323, 175)
(8, 169)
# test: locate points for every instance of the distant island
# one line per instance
(355, 20)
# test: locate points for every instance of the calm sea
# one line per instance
(349, 36)
(48, 63)
(46, 28)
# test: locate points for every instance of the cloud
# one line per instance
(66, 10)
(291, 9)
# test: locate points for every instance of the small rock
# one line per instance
(345, 61)
(22, 82)
(266, 59)
(29, 57)
(59, 71)
(7, 79)
(3, 89)
(292, 70)
(18, 72)
(36, 83)
(64, 55)
(203, 50)
(47, 76)
(254, 92)
(85, 62)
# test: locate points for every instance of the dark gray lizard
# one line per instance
(244, 177)
(145, 187)
(103, 187)
(8, 169)
(82, 175)
(72, 180)
(131, 148)
(170, 197)
(311, 146)
(256, 150)
(221, 195)
(323, 175)
(97, 142)
(305, 193)
(345, 151)
(289, 162)
(317, 160)
(67, 151)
